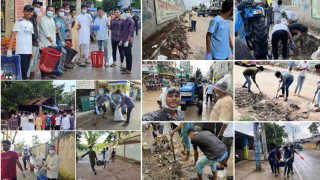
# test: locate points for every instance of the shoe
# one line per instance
(206, 102)
(294, 94)
(299, 95)
(124, 72)
(106, 64)
(249, 91)
(125, 124)
(244, 87)
(285, 99)
(288, 176)
(281, 95)
(95, 173)
(113, 65)
(316, 105)
(31, 75)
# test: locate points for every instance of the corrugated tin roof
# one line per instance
(35, 101)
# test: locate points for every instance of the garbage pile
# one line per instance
(265, 109)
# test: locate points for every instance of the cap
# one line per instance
(28, 7)
(37, 2)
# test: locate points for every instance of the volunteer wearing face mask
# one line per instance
(85, 22)
(170, 111)
(9, 161)
(47, 28)
(223, 109)
(68, 21)
(116, 35)
(60, 26)
(52, 163)
(36, 45)
(127, 40)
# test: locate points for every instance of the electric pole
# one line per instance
(257, 146)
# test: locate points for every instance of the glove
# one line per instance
(120, 43)
(54, 44)
(293, 45)
(9, 53)
(63, 43)
(126, 44)
(97, 110)
(208, 56)
(58, 24)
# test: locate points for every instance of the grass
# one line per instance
(246, 118)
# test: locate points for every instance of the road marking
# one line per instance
(297, 172)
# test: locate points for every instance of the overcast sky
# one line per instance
(190, 3)
(100, 140)
(302, 130)
(67, 84)
(26, 136)
(203, 65)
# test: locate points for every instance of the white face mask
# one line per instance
(84, 11)
(61, 14)
(52, 152)
(49, 13)
(128, 15)
(36, 10)
(67, 11)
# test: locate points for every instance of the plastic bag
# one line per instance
(224, 83)
(118, 115)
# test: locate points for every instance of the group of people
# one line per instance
(285, 27)
(278, 159)
(62, 24)
(107, 156)
(10, 160)
(41, 121)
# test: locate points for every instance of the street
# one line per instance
(197, 40)
(149, 101)
(85, 120)
(106, 73)
(268, 84)
(303, 169)
(183, 169)
(118, 170)
(28, 173)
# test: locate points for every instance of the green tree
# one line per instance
(275, 133)
(20, 144)
(109, 5)
(35, 140)
(313, 128)
(136, 4)
(92, 136)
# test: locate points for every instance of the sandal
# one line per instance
(316, 105)
(113, 65)
(106, 64)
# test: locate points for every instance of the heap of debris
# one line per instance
(265, 109)
(159, 163)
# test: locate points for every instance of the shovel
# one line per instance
(276, 98)
(258, 88)
(174, 154)
(311, 103)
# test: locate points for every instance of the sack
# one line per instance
(281, 164)
(70, 53)
(100, 163)
(118, 115)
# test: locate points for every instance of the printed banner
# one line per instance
(168, 9)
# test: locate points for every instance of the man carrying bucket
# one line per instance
(85, 21)
(102, 25)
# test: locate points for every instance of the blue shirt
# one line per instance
(219, 40)
(62, 30)
(102, 34)
(48, 120)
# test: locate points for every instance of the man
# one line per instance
(136, 20)
(85, 22)
(290, 16)
(93, 158)
(71, 118)
(102, 34)
(68, 22)
(107, 157)
(251, 72)
(22, 31)
(100, 103)
(276, 12)
(53, 120)
(127, 40)
(65, 122)
(218, 40)
(48, 121)
(215, 152)
(52, 163)
(47, 28)
(299, 31)
(194, 18)
(9, 161)
(184, 127)
(287, 79)
(288, 159)
(281, 32)
(58, 121)
(209, 92)
(226, 133)
(317, 66)
(116, 36)
(128, 102)
(273, 160)
(23, 119)
(113, 155)
(303, 68)
(28, 126)
(13, 123)
(36, 45)
(61, 27)
(170, 103)
(223, 109)
(293, 151)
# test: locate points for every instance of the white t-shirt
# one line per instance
(229, 131)
(65, 123)
(58, 121)
(24, 119)
(107, 155)
(210, 88)
(279, 27)
(24, 31)
(291, 15)
(27, 126)
(277, 14)
(303, 65)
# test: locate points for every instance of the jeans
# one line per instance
(209, 95)
(128, 55)
(114, 51)
(34, 62)
(105, 48)
(299, 84)
(25, 62)
(271, 165)
(193, 25)
(275, 167)
(286, 87)
(228, 142)
(288, 168)
(128, 115)
(248, 81)
(202, 162)
(276, 37)
(318, 97)
(137, 27)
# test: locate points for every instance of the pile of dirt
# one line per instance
(160, 163)
(171, 41)
(265, 109)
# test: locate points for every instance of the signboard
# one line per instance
(315, 9)
(168, 9)
(85, 85)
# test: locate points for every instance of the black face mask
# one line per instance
(6, 149)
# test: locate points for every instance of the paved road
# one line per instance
(106, 73)
(309, 167)
(269, 83)
(85, 122)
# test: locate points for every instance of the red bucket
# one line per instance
(31, 167)
(97, 58)
(49, 59)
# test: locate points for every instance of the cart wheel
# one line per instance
(200, 108)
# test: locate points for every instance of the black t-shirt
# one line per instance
(209, 144)
(298, 26)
